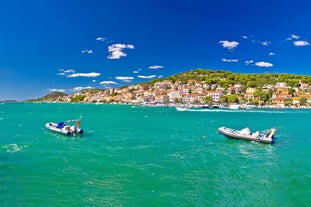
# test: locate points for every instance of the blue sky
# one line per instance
(75, 44)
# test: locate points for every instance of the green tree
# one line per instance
(223, 99)
(233, 98)
(207, 99)
(303, 101)
(288, 102)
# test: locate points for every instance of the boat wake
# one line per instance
(268, 111)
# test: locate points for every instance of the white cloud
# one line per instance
(126, 79)
(155, 67)
(101, 39)
(94, 81)
(271, 53)
(57, 90)
(264, 64)
(147, 77)
(116, 54)
(87, 75)
(252, 39)
(80, 88)
(107, 82)
(301, 43)
(87, 51)
(265, 43)
(229, 45)
(71, 73)
(137, 71)
(65, 73)
(229, 60)
(248, 62)
(293, 37)
(116, 50)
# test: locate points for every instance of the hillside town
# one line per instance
(194, 92)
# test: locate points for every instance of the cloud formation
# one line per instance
(146, 77)
(80, 88)
(264, 43)
(71, 73)
(229, 45)
(264, 64)
(155, 67)
(126, 79)
(297, 41)
(57, 90)
(229, 60)
(87, 51)
(63, 72)
(252, 39)
(116, 50)
(301, 43)
(101, 39)
(86, 75)
(107, 82)
(249, 62)
(293, 37)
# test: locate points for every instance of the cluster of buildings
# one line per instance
(192, 92)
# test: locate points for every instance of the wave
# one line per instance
(11, 148)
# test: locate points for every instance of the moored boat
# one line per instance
(65, 128)
(266, 136)
(234, 106)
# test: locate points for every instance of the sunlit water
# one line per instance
(145, 156)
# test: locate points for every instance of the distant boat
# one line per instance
(247, 106)
(234, 106)
(266, 136)
(66, 129)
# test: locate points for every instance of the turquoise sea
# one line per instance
(148, 156)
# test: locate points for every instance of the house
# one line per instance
(190, 98)
(215, 95)
(278, 101)
(296, 101)
(161, 99)
(280, 85)
(250, 93)
(304, 86)
(173, 95)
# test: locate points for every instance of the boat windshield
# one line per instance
(60, 125)
(245, 131)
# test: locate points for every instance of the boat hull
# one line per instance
(236, 134)
(66, 130)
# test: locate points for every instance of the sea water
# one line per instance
(152, 156)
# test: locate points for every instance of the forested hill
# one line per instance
(224, 79)
(216, 78)
(49, 97)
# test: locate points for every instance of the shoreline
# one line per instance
(191, 106)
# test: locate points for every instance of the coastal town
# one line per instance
(198, 93)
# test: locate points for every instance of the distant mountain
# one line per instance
(49, 97)
(6, 101)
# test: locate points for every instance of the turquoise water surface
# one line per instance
(145, 156)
